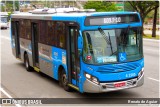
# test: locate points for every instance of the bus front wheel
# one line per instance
(64, 81)
(26, 62)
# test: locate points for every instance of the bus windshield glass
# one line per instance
(106, 45)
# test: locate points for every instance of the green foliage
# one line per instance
(128, 7)
(2, 8)
(150, 37)
(9, 6)
(144, 7)
(100, 6)
(17, 5)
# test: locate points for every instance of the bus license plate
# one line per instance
(120, 84)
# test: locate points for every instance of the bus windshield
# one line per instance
(105, 46)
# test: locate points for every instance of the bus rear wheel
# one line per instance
(64, 81)
(26, 62)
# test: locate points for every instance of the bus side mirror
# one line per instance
(80, 43)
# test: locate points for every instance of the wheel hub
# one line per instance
(64, 79)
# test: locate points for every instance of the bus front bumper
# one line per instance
(91, 87)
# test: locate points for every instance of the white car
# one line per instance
(4, 23)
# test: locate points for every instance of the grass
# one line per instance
(150, 37)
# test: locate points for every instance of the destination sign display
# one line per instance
(111, 19)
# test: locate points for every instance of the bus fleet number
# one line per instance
(130, 75)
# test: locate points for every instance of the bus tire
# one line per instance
(64, 81)
(26, 63)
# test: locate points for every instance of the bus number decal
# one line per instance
(130, 75)
(55, 55)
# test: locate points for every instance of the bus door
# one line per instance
(72, 55)
(17, 44)
(34, 42)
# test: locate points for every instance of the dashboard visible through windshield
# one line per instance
(112, 45)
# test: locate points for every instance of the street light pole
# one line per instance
(46, 3)
(60, 3)
(13, 5)
(5, 6)
(123, 5)
(19, 5)
(73, 3)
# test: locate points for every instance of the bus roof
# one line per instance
(62, 16)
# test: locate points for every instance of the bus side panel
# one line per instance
(25, 46)
(45, 59)
(59, 59)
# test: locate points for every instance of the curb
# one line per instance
(151, 40)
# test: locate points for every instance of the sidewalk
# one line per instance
(147, 39)
(150, 32)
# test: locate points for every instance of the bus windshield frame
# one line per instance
(112, 19)
(106, 53)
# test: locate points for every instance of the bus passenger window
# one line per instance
(22, 29)
(61, 34)
(51, 35)
(42, 34)
(28, 29)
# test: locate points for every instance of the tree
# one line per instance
(16, 5)
(154, 22)
(100, 6)
(2, 8)
(128, 7)
(143, 7)
(9, 6)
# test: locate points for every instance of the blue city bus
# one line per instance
(91, 52)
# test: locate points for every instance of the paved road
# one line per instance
(16, 81)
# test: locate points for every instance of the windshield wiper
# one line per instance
(110, 43)
(104, 35)
(105, 38)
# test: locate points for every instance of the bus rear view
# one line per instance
(112, 52)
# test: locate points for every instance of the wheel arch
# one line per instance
(60, 69)
(29, 57)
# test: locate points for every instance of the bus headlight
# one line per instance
(140, 73)
(91, 78)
